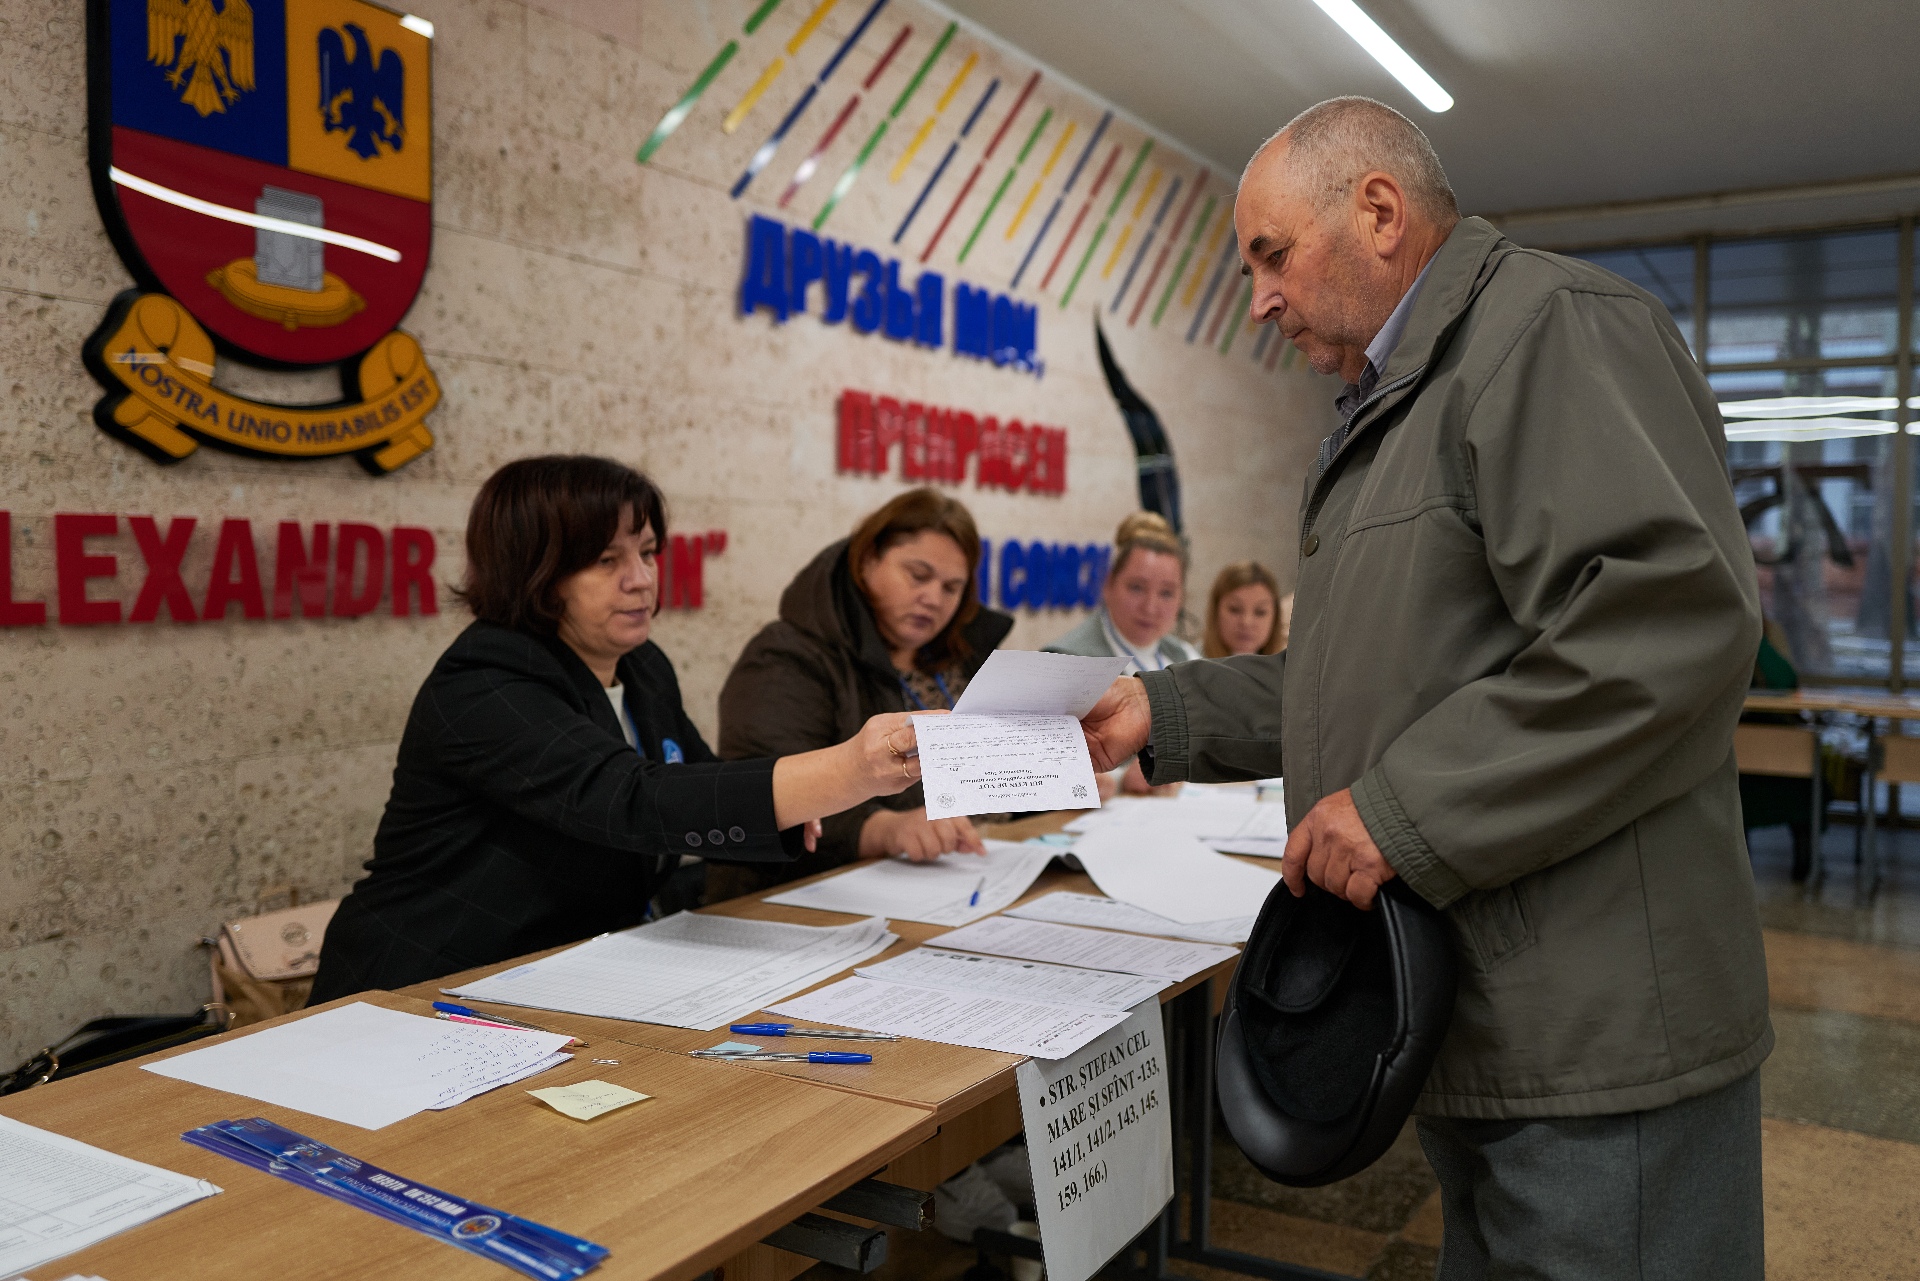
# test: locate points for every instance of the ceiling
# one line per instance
(1557, 103)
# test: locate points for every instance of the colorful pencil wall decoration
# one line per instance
(1207, 253)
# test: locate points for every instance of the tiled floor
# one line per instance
(1840, 1094)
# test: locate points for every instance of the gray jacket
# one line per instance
(1089, 639)
(1526, 619)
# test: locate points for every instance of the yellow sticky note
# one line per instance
(587, 1099)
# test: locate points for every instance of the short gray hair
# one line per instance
(1332, 143)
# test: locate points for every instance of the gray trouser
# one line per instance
(1671, 1194)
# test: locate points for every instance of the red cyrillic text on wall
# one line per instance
(935, 444)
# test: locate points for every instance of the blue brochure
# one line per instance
(523, 1245)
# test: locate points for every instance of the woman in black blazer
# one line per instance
(549, 779)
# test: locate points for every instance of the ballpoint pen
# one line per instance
(461, 1014)
(975, 900)
(817, 1056)
(819, 1033)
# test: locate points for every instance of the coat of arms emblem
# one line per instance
(265, 170)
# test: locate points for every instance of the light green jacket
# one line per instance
(1527, 615)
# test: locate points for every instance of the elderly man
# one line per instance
(1527, 614)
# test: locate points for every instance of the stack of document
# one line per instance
(1021, 987)
(690, 970)
(1111, 914)
(1025, 980)
(1088, 949)
(952, 890)
(1232, 822)
(367, 1066)
(59, 1195)
(1013, 741)
(1171, 874)
(952, 1016)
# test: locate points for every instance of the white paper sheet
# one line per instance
(364, 1065)
(690, 970)
(1257, 847)
(1170, 874)
(1025, 980)
(1100, 1143)
(1021, 681)
(998, 764)
(1089, 949)
(1213, 817)
(59, 1195)
(937, 893)
(1112, 914)
(973, 1019)
(552, 1061)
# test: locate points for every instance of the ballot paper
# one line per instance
(690, 970)
(1024, 681)
(1112, 914)
(1215, 818)
(1013, 741)
(59, 1195)
(1089, 949)
(973, 1019)
(952, 890)
(365, 1065)
(1171, 874)
(1002, 764)
(1027, 980)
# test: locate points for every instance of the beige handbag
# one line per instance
(263, 966)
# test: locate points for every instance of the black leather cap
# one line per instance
(1331, 1024)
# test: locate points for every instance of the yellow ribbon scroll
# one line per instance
(164, 360)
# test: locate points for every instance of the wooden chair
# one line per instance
(1895, 758)
(1786, 751)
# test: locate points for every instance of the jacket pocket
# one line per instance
(1496, 924)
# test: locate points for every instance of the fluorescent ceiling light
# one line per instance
(241, 216)
(1809, 406)
(1798, 429)
(421, 25)
(1367, 33)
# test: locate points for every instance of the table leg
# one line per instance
(1867, 879)
(1190, 1073)
(1819, 876)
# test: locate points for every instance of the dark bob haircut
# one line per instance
(538, 521)
(915, 512)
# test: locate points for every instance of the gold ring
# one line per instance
(903, 770)
(897, 753)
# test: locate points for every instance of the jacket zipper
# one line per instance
(1379, 393)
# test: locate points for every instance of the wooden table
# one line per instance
(969, 1092)
(715, 1160)
(1818, 703)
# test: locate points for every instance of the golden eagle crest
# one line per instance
(202, 36)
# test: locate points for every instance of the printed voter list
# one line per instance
(1013, 741)
(1100, 1143)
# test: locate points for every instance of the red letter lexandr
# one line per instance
(368, 563)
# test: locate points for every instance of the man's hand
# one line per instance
(1333, 848)
(1117, 726)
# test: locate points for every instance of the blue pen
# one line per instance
(449, 1009)
(975, 900)
(816, 1056)
(818, 1033)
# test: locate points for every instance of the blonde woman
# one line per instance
(1138, 607)
(1245, 612)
